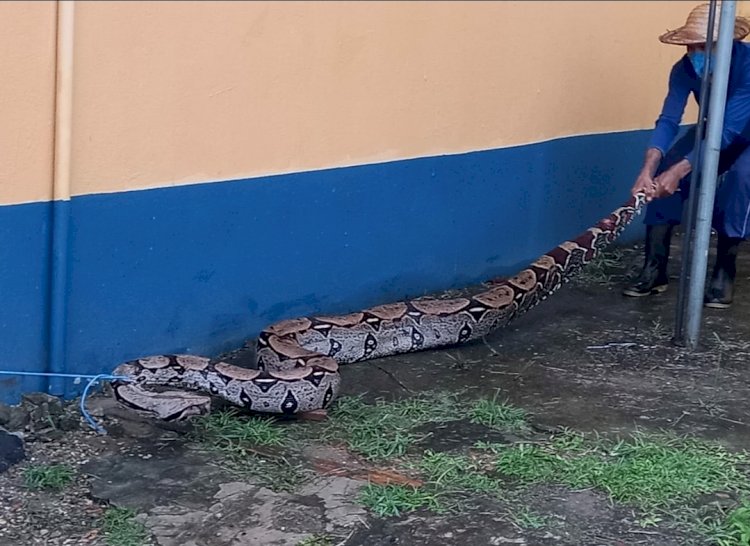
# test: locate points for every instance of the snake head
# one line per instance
(166, 405)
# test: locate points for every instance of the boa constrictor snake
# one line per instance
(298, 359)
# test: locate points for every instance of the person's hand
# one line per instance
(646, 184)
(667, 183)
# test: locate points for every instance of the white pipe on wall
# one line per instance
(61, 193)
(63, 98)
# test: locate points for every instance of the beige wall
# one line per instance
(178, 92)
(27, 96)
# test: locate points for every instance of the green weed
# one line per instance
(723, 529)
(238, 438)
(455, 472)
(494, 414)
(55, 477)
(528, 463)
(649, 471)
(393, 500)
(316, 540)
(387, 429)
(121, 529)
(738, 525)
(525, 518)
(606, 268)
(660, 470)
(229, 431)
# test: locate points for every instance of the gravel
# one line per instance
(54, 433)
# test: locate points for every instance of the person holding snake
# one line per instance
(665, 176)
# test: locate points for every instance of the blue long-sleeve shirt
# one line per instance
(683, 81)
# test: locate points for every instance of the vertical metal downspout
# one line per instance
(709, 169)
(61, 194)
(687, 241)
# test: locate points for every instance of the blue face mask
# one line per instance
(698, 59)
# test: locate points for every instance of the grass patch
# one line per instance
(648, 471)
(529, 463)
(387, 429)
(55, 477)
(121, 528)
(526, 518)
(394, 500)
(738, 526)
(570, 441)
(662, 475)
(448, 478)
(494, 414)
(277, 473)
(450, 472)
(227, 430)
(316, 540)
(606, 268)
(240, 439)
(720, 527)
(663, 470)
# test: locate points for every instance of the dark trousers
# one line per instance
(732, 204)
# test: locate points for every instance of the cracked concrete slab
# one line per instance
(185, 499)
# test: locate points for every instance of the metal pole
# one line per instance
(687, 242)
(709, 169)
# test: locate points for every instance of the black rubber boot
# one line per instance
(653, 278)
(720, 291)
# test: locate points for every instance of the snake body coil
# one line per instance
(298, 359)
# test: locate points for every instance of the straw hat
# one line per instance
(695, 28)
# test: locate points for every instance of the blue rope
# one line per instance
(93, 380)
(96, 426)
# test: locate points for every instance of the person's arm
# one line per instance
(645, 181)
(667, 126)
(668, 123)
(736, 122)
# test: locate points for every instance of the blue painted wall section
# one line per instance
(24, 295)
(201, 268)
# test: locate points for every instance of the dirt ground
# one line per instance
(588, 359)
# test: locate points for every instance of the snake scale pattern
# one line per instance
(298, 359)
